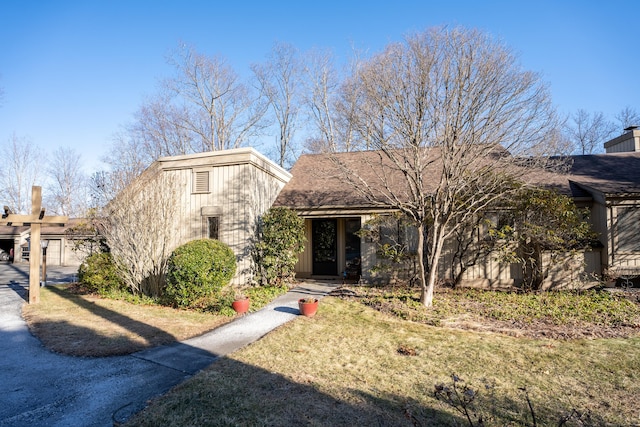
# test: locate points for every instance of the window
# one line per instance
(201, 181)
(628, 229)
(501, 221)
(211, 222)
(399, 233)
(213, 227)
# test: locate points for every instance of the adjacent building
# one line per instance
(608, 184)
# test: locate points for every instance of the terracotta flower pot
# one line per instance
(241, 305)
(308, 308)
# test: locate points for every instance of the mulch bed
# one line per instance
(532, 328)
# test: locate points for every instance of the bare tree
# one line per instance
(158, 129)
(628, 117)
(451, 115)
(127, 159)
(216, 108)
(68, 189)
(588, 132)
(21, 169)
(85, 236)
(203, 107)
(280, 82)
(330, 104)
(139, 227)
(321, 88)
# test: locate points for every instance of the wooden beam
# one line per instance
(36, 200)
(19, 220)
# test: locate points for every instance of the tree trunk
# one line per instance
(538, 268)
(434, 259)
(426, 295)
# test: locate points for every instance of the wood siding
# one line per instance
(570, 271)
(240, 192)
(304, 266)
(566, 271)
(620, 257)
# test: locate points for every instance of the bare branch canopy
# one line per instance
(451, 114)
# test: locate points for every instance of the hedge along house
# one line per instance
(608, 184)
(218, 195)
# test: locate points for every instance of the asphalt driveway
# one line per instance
(41, 388)
(38, 387)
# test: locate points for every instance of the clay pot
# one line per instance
(308, 308)
(241, 305)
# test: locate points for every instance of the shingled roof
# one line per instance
(319, 183)
(614, 175)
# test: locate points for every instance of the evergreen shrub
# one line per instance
(197, 273)
(280, 239)
(98, 274)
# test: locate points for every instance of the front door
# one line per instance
(324, 240)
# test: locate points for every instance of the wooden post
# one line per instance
(34, 247)
(35, 220)
(34, 264)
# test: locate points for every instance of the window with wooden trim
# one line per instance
(628, 229)
(212, 227)
(201, 181)
(397, 232)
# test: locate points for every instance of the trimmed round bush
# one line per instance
(198, 271)
(98, 274)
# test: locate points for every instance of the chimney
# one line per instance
(628, 142)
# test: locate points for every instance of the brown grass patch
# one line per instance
(343, 367)
(87, 325)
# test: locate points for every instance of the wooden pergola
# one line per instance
(35, 221)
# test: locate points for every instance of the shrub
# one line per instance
(280, 240)
(98, 274)
(198, 271)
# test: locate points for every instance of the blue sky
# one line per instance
(73, 72)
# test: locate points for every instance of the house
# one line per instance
(223, 193)
(219, 195)
(608, 184)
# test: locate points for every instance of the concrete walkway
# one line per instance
(38, 387)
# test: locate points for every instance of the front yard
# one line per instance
(354, 364)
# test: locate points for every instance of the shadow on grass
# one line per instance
(230, 392)
(88, 343)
